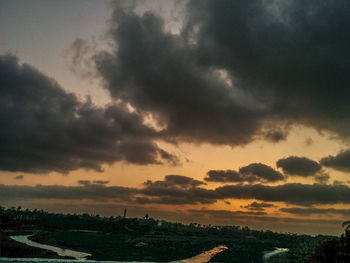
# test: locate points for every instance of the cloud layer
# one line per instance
(252, 173)
(46, 129)
(235, 76)
(339, 162)
(178, 190)
(300, 166)
(228, 77)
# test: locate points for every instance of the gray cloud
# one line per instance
(100, 182)
(276, 135)
(340, 162)
(230, 72)
(312, 210)
(176, 189)
(88, 182)
(300, 166)
(175, 181)
(258, 172)
(225, 78)
(271, 57)
(157, 72)
(84, 182)
(292, 193)
(88, 191)
(322, 177)
(255, 206)
(255, 172)
(46, 129)
(19, 177)
(78, 58)
(223, 176)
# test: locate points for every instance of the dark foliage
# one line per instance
(130, 239)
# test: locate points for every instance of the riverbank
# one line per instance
(24, 239)
(204, 257)
(11, 248)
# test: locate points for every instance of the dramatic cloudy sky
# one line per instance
(221, 112)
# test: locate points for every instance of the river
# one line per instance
(81, 256)
(278, 250)
(60, 251)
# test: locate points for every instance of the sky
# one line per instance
(216, 112)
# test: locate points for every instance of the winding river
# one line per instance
(60, 251)
(278, 250)
(81, 256)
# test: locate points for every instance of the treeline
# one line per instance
(334, 251)
(46, 220)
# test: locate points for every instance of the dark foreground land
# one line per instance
(10, 248)
(133, 239)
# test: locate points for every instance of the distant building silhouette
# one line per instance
(124, 212)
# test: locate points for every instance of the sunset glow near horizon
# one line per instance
(216, 112)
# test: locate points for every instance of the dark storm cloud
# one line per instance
(276, 135)
(223, 176)
(255, 206)
(157, 72)
(102, 182)
(177, 189)
(85, 191)
(175, 181)
(292, 54)
(258, 172)
(180, 192)
(288, 61)
(170, 158)
(88, 182)
(255, 172)
(340, 162)
(44, 128)
(312, 210)
(173, 200)
(84, 182)
(174, 189)
(292, 193)
(237, 70)
(300, 166)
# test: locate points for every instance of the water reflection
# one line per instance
(60, 251)
(201, 258)
(205, 256)
(278, 250)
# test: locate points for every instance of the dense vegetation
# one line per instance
(147, 239)
(337, 251)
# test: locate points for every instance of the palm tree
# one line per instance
(346, 226)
